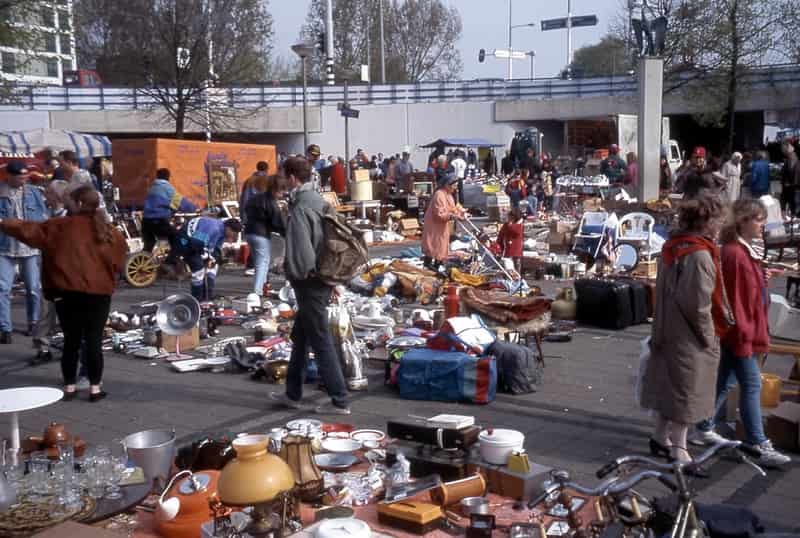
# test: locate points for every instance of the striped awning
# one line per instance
(84, 145)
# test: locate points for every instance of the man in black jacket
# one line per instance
(304, 238)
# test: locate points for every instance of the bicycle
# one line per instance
(613, 491)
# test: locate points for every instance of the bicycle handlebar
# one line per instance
(705, 456)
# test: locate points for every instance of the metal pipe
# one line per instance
(510, 59)
(305, 104)
(346, 140)
(569, 37)
(329, 52)
(383, 45)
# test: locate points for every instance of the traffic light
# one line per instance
(481, 55)
(321, 41)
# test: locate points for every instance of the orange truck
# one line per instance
(206, 173)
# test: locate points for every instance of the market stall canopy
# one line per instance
(28, 142)
(461, 143)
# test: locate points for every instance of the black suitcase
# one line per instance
(639, 300)
(604, 303)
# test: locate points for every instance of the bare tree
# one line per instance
(176, 50)
(420, 37)
(711, 45)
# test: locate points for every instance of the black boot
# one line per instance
(5, 337)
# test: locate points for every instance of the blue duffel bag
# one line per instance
(446, 376)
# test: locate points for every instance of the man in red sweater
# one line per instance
(748, 295)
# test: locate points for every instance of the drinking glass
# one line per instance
(13, 466)
(39, 468)
(118, 461)
(96, 476)
(60, 480)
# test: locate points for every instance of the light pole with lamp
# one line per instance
(532, 54)
(304, 50)
(510, 48)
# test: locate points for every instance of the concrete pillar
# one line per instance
(651, 91)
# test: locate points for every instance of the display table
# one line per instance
(12, 401)
(785, 347)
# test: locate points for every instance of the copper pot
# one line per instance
(770, 390)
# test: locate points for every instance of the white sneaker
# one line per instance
(770, 457)
(703, 438)
(249, 272)
(283, 399)
(330, 409)
(82, 384)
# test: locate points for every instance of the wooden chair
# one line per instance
(333, 199)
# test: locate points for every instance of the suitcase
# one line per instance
(639, 300)
(446, 376)
(604, 303)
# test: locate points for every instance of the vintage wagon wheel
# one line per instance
(141, 269)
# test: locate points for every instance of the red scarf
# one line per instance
(682, 245)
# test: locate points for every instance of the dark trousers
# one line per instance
(82, 317)
(311, 330)
(788, 201)
(155, 229)
(191, 251)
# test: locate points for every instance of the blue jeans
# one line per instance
(29, 271)
(533, 204)
(745, 371)
(260, 250)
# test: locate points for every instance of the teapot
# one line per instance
(55, 433)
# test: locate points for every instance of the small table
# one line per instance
(23, 399)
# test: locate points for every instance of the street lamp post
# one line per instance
(532, 54)
(510, 49)
(304, 50)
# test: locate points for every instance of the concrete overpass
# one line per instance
(392, 116)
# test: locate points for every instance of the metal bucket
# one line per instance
(153, 451)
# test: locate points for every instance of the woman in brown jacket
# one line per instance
(81, 258)
(691, 313)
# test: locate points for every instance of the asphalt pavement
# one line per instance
(582, 416)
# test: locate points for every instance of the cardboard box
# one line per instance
(646, 269)
(361, 174)
(409, 227)
(783, 426)
(188, 340)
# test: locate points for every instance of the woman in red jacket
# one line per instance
(746, 288)
(511, 236)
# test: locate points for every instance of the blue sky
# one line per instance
(485, 25)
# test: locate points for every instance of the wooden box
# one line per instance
(646, 269)
(507, 483)
(409, 227)
(361, 174)
(188, 341)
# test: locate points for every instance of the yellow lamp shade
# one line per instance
(255, 476)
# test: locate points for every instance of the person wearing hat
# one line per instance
(19, 200)
(436, 229)
(697, 177)
(317, 164)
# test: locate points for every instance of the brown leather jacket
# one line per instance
(72, 259)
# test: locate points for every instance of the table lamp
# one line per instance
(256, 478)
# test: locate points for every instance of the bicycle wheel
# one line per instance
(141, 269)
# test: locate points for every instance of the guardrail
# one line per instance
(114, 98)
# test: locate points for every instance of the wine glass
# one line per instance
(117, 463)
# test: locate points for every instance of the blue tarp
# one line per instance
(462, 143)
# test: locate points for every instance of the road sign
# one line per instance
(348, 112)
(504, 54)
(561, 23)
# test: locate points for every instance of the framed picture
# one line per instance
(231, 209)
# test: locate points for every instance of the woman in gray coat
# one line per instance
(691, 313)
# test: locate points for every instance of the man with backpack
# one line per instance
(305, 242)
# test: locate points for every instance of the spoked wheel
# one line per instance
(141, 269)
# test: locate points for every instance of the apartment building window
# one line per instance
(63, 20)
(49, 42)
(52, 67)
(9, 63)
(66, 44)
(47, 17)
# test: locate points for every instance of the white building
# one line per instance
(52, 47)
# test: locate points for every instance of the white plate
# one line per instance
(367, 435)
(335, 462)
(341, 446)
(304, 424)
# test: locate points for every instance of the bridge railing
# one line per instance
(115, 98)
